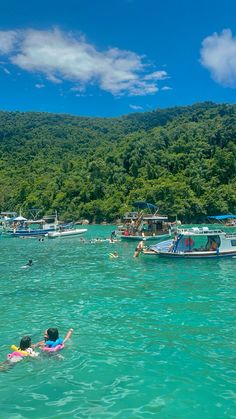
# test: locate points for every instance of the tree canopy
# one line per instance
(181, 159)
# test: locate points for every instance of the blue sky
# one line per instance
(114, 57)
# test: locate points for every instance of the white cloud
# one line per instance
(157, 75)
(136, 107)
(40, 85)
(218, 55)
(59, 56)
(166, 88)
(7, 41)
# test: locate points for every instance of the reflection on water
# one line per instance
(153, 337)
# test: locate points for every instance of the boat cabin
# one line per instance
(143, 223)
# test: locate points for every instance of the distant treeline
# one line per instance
(182, 159)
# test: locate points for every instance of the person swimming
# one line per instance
(52, 341)
(139, 249)
(29, 263)
(25, 349)
(113, 255)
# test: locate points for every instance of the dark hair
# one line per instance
(25, 342)
(53, 333)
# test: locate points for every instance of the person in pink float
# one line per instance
(52, 342)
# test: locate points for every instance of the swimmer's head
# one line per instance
(51, 334)
(25, 343)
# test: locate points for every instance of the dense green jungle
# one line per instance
(181, 159)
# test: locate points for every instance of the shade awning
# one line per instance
(222, 217)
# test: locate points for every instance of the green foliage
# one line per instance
(182, 159)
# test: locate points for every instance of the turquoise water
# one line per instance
(153, 338)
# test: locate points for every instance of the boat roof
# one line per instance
(222, 217)
(51, 216)
(132, 215)
(154, 217)
(9, 213)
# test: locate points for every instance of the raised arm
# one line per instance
(69, 333)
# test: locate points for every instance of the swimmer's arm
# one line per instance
(68, 335)
(36, 345)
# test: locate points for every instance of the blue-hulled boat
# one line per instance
(35, 228)
(196, 243)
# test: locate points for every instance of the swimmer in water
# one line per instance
(52, 339)
(25, 349)
(113, 255)
(139, 249)
(30, 263)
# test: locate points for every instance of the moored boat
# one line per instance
(145, 223)
(66, 233)
(34, 228)
(196, 243)
(6, 220)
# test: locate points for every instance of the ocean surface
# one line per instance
(153, 338)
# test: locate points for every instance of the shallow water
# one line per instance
(152, 337)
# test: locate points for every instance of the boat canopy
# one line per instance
(144, 205)
(14, 214)
(222, 217)
(7, 216)
(20, 218)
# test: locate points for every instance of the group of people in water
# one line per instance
(52, 343)
(136, 254)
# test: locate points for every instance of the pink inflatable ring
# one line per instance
(54, 349)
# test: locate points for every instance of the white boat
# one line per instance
(138, 225)
(196, 243)
(6, 220)
(34, 228)
(66, 233)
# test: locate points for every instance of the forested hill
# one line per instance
(182, 159)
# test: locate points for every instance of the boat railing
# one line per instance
(199, 231)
